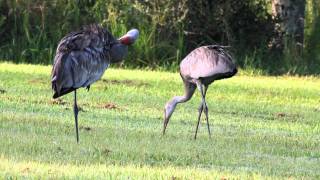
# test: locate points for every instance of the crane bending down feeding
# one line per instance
(199, 69)
(83, 56)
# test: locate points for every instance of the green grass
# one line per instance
(262, 128)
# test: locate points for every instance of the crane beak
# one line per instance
(130, 37)
(165, 122)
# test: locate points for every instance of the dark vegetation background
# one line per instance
(31, 29)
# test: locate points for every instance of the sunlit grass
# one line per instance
(51, 170)
(263, 127)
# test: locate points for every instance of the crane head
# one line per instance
(130, 37)
(168, 110)
(119, 49)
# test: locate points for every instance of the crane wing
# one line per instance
(81, 58)
(207, 61)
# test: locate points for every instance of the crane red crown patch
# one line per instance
(125, 40)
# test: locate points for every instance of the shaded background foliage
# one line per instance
(31, 29)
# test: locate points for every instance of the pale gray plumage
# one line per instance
(83, 56)
(199, 69)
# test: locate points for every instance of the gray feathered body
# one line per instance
(207, 63)
(81, 59)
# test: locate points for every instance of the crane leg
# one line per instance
(206, 109)
(202, 105)
(199, 117)
(76, 110)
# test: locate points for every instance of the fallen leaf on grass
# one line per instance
(174, 177)
(109, 105)
(25, 170)
(125, 82)
(81, 109)
(281, 114)
(58, 101)
(87, 128)
(107, 151)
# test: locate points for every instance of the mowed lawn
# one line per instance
(262, 128)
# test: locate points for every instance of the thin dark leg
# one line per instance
(206, 109)
(76, 110)
(199, 85)
(208, 125)
(199, 117)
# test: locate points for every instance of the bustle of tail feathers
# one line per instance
(57, 77)
(62, 92)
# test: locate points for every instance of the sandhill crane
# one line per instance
(83, 56)
(199, 69)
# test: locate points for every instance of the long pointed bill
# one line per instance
(165, 123)
(164, 126)
(130, 37)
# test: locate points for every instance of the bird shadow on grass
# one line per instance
(109, 105)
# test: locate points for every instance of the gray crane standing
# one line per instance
(199, 69)
(83, 56)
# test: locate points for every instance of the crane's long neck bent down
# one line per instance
(179, 99)
(171, 105)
